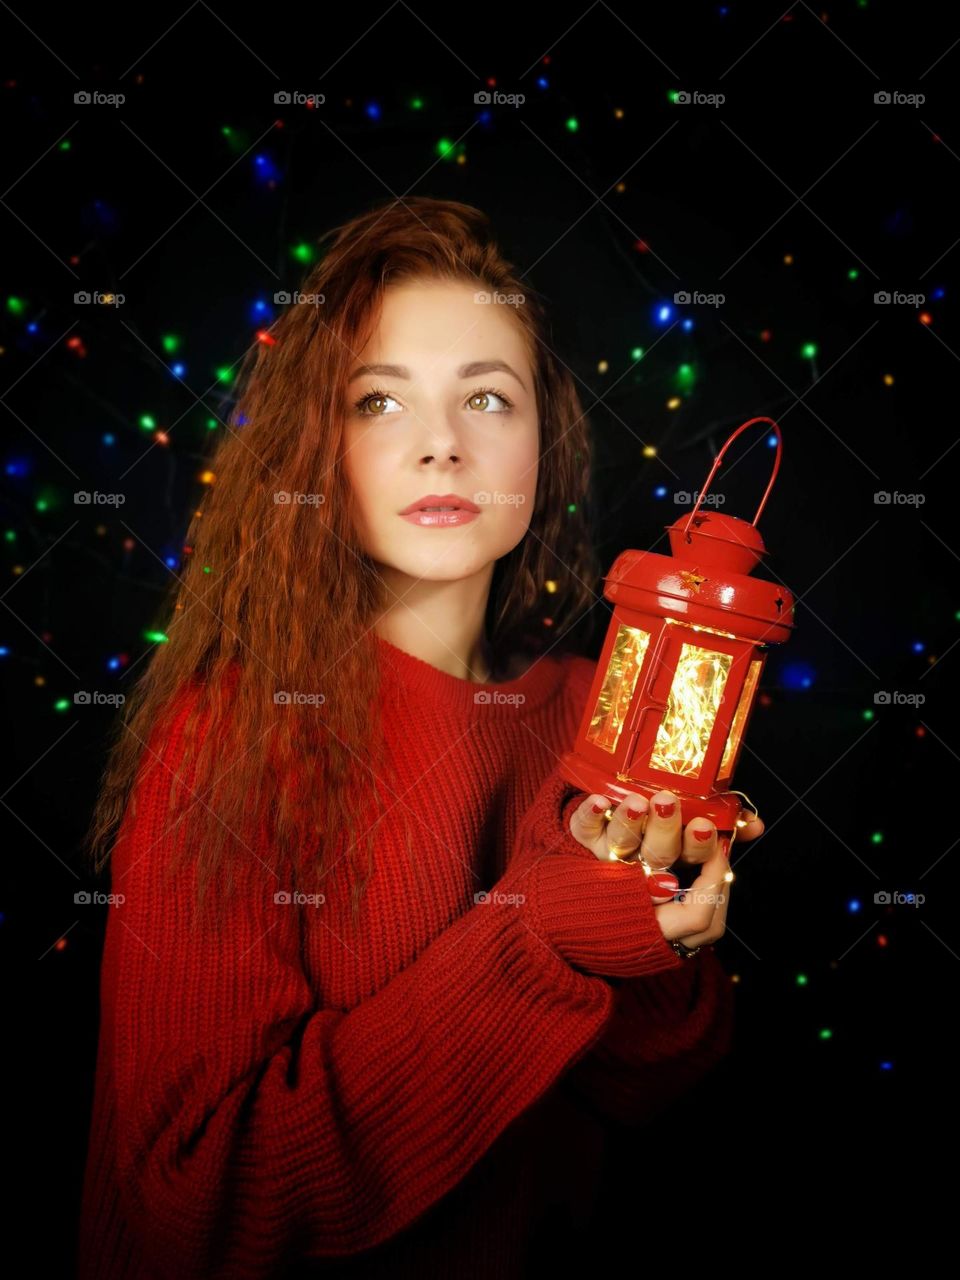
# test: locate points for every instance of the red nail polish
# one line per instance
(599, 808)
(634, 814)
(663, 884)
(702, 835)
(665, 810)
(725, 846)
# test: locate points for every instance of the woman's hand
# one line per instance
(655, 829)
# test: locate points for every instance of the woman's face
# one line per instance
(453, 414)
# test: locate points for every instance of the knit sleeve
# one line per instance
(665, 1035)
(666, 1032)
(254, 1127)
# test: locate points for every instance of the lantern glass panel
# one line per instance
(691, 710)
(613, 701)
(739, 719)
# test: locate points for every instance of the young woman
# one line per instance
(376, 976)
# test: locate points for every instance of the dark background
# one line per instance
(798, 160)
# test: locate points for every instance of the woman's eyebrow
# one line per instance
(471, 370)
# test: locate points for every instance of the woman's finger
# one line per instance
(625, 828)
(751, 829)
(692, 916)
(588, 825)
(716, 890)
(661, 834)
(699, 841)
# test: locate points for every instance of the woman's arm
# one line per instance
(253, 1126)
(665, 1033)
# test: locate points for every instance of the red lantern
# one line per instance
(681, 664)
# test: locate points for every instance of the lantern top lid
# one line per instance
(725, 542)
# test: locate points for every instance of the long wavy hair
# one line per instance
(279, 596)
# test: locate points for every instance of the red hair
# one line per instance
(282, 597)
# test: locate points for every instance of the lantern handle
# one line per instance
(776, 467)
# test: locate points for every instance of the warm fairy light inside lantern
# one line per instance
(696, 626)
(691, 710)
(613, 701)
(739, 719)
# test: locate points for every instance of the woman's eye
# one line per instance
(484, 398)
(366, 404)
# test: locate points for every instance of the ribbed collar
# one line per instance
(543, 678)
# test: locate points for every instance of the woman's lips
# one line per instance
(443, 518)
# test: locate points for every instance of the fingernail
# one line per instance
(634, 814)
(665, 810)
(725, 846)
(599, 808)
(702, 835)
(661, 883)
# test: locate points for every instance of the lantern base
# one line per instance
(722, 808)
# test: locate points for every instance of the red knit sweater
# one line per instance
(426, 1096)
